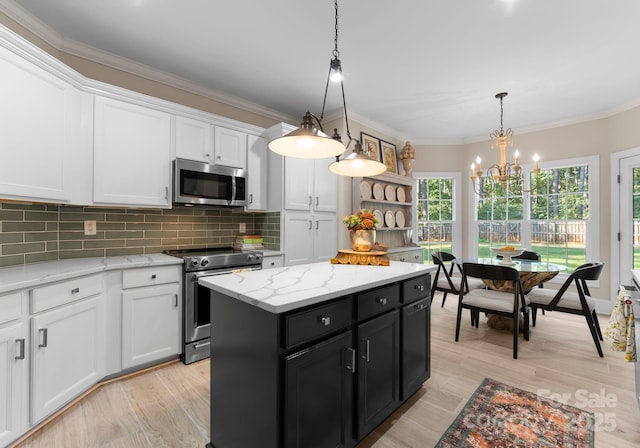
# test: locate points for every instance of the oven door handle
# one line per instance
(195, 277)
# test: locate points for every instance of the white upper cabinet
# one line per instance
(257, 173)
(40, 134)
(194, 139)
(205, 142)
(132, 154)
(230, 148)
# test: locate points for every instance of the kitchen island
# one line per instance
(315, 355)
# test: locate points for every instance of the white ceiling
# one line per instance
(427, 69)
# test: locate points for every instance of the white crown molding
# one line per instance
(53, 38)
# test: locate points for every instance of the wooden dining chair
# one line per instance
(448, 278)
(566, 301)
(508, 304)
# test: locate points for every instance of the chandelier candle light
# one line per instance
(503, 171)
(310, 142)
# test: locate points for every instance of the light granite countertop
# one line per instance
(288, 288)
(36, 274)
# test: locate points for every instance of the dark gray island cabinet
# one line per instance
(317, 355)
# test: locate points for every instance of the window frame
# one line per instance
(592, 231)
(456, 226)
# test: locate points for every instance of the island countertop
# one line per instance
(284, 289)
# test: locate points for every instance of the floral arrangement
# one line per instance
(361, 220)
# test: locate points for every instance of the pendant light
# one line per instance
(311, 142)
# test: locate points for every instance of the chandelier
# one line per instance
(310, 142)
(502, 173)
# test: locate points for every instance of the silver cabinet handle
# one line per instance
(367, 347)
(352, 366)
(202, 344)
(419, 306)
(208, 155)
(317, 201)
(175, 305)
(325, 320)
(382, 301)
(310, 200)
(310, 224)
(317, 225)
(419, 287)
(153, 276)
(20, 343)
(218, 157)
(250, 198)
(75, 290)
(44, 333)
(166, 193)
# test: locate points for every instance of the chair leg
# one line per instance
(594, 333)
(534, 314)
(458, 318)
(597, 324)
(516, 331)
(525, 315)
(444, 297)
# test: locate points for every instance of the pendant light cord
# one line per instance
(336, 53)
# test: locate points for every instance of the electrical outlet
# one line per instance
(90, 227)
(243, 227)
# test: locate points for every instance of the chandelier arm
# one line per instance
(326, 89)
(344, 104)
(318, 120)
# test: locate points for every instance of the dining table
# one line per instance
(532, 273)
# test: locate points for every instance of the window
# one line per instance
(438, 228)
(553, 214)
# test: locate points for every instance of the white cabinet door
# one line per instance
(325, 236)
(150, 324)
(230, 148)
(298, 243)
(194, 139)
(325, 187)
(132, 155)
(256, 173)
(68, 354)
(14, 375)
(298, 184)
(38, 112)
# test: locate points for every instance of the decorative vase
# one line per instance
(362, 240)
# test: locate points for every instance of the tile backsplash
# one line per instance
(32, 233)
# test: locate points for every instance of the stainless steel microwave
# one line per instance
(200, 183)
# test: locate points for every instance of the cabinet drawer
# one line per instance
(311, 324)
(416, 288)
(50, 296)
(273, 262)
(378, 301)
(133, 278)
(11, 307)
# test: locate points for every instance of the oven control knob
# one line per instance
(194, 262)
(250, 257)
(204, 262)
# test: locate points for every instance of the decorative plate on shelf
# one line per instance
(378, 192)
(400, 218)
(390, 193)
(389, 219)
(379, 217)
(400, 194)
(365, 190)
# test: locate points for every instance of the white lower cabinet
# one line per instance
(272, 261)
(409, 256)
(68, 353)
(14, 381)
(150, 324)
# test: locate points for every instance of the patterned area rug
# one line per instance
(498, 415)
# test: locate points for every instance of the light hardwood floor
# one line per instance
(169, 406)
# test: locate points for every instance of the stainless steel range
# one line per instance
(196, 302)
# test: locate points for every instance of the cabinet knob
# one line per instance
(75, 290)
(419, 287)
(382, 301)
(325, 320)
(153, 276)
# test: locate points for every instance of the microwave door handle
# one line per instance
(233, 190)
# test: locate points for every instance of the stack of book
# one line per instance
(248, 242)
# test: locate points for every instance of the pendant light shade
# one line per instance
(357, 164)
(307, 142)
